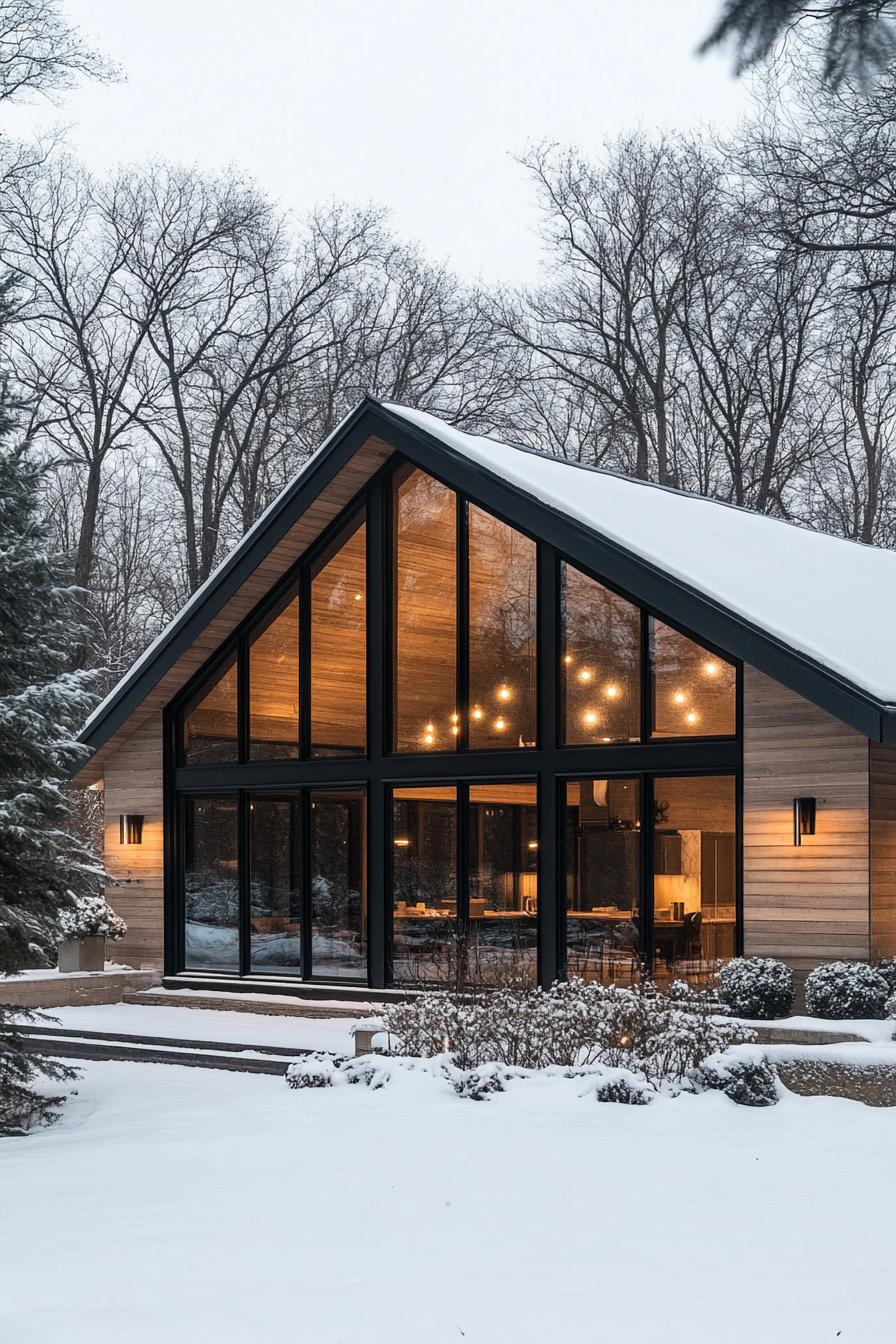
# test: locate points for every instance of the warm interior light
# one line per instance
(401, 843)
(611, 692)
(500, 725)
(691, 716)
(504, 692)
(679, 697)
(586, 674)
(428, 739)
(711, 667)
(533, 844)
(455, 728)
(477, 713)
(589, 718)
(430, 728)
(359, 597)
(567, 658)
(455, 717)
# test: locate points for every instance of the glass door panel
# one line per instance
(603, 876)
(211, 884)
(425, 941)
(275, 887)
(338, 884)
(503, 884)
(695, 876)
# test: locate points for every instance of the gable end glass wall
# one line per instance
(442, 752)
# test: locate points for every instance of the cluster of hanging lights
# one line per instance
(504, 695)
(710, 669)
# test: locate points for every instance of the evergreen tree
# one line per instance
(44, 867)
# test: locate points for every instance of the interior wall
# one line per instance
(133, 784)
(807, 903)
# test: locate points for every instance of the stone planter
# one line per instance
(85, 954)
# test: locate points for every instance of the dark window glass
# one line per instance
(426, 717)
(603, 848)
(338, 650)
(275, 898)
(503, 895)
(210, 723)
(424, 885)
(600, 664)
(274, 687)
(338, 884)
(502, 633)
(211, 886)
(695, 882)
(694, 691)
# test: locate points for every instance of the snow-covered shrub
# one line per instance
(662, 1036)
(749, 1082)
(758, 987)
(890, 1006)
(90, 917)
(887, 968)
(366, 1071)
(315, 1070)
(477, 1084)
(624, 1091)
(846, 989)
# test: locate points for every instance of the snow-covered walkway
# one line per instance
(179, 1204)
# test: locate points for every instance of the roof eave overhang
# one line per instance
(668, 596)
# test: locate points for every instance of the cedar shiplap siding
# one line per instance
(807, 903)
(133, 783)
(883, 849)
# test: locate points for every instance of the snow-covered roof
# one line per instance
(815, 598)
(830, 599)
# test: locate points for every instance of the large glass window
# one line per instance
(275, 887)
(274, 686)
(502, 634)
(426, 714)
(603, 875)
(503, 893)
(694, 691)
(339, 650)
(425, 942)
(210, 722)
(600, 667)
(695, 875)
(338, 884)
(211, 884)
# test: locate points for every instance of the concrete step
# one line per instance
(61, 1043)
(269, 1004)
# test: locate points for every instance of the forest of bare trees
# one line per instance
(715, 313)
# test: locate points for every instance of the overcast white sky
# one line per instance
(417, 105)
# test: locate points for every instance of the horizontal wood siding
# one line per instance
(883, 849)
(806, 903)
(133, 783)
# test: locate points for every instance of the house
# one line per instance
(453, 707)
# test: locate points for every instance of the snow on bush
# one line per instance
(887, 968)
(749, 1082)
(846, 989)
(758, 987)
(624, 1091)
(660, 1037)
(890, 1006)
(90, 917)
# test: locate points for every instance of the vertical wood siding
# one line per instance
(807, 903)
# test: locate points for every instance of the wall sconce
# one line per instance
(803, 818)
(130, 829)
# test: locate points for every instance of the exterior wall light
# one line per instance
(130, 829)
(803, 818)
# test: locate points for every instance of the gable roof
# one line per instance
(813, 611)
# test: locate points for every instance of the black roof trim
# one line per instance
(668, 596)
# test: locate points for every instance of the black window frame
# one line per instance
(549, 762)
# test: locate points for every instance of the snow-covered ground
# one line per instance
(195, 1205)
